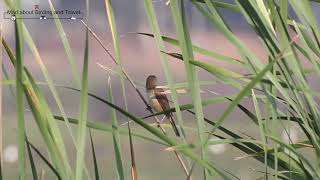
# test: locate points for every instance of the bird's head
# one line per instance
(151, 82)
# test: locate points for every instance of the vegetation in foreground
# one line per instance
(277, 86)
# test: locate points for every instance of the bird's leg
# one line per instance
(162, 119)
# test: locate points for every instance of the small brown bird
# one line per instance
(159, 101)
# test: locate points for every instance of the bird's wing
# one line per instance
(164, 102)
(162, 99)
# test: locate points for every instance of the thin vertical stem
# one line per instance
(83, 107)
(1, 123)
(19, 94)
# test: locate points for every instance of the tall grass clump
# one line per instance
(277, 86)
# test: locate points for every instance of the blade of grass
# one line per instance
(96, 169)
(222, 73)
(44, 70)
(262, 130)
(242, 94)
(248, 87)
(115, 38)
(1, 120)
(44, 119)
(32, 165)
(164, 59)
(133, 84)
(83, 107)
(222, 27)
(302, 159)
(310, 105)
(19, 93)
(187, 53)
(202, 162)
(216, 19)
(147, 127)
(274, 48)
(74, 68)
(45, 160)
(49, 81)
(34, 50)
(66, 46)
(115, 137)
(102, 127)
(230, 36)
(167, 71)
(228, 6)
(250, 149)
(209, 101)
(199, 50)
(167, 139)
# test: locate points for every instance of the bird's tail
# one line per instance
(173, 124)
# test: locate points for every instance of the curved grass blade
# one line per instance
(246, 53)
(247, 112)
(96, 169)
(35, 52)
(185, 43)
(304, 162)
(248, 148)
(83, 110)
(1, 119)
(209, 101)
(53, 169)
(19, 93)
(116, 44)
(44, 119)
(164, 60)
(199, 50)
(261, 129)
(223, 5)
(105, 128)
(115, 137)
(66, 46)
(242, 94)
(32, 165)
(44, 70)
(226, 75)
(166, 139)
(222, 73)
(133, 84)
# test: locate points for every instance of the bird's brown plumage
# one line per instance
(162, 100)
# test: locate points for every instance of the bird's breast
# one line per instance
(154, 103)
